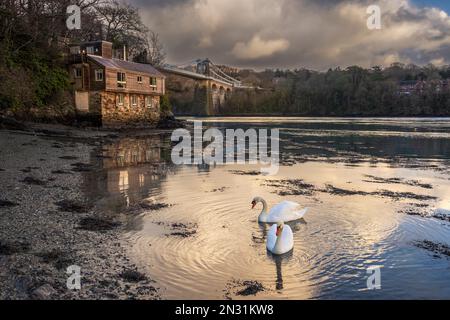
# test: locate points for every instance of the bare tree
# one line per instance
(120, 20)
(123, 25)
(155, 50)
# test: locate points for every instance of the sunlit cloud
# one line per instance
(258, 48)
(299, 33)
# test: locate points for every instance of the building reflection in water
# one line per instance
(129, 170)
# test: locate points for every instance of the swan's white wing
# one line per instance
(286, 211)
(271, 237)
(285, 206)
(287, 238)
(300, 214)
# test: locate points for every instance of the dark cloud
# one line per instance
(294, 33)
(157, 3)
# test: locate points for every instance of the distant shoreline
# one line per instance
(310, 116)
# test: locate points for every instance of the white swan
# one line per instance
(285, 211)
(280, 239)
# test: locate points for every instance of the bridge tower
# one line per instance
(200, 92)
(203, 67)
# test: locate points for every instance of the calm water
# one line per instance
(341, 236)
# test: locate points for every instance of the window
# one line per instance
(139, 79)
(153, 82)
(98, 75)
(78, 72)
(148, 102)
(134, 100)
(121, 80)
(123, 180)
(75, 50)
(120, 99)
(90, 50)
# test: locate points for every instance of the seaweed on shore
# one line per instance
(245, 173)
(414, 183)
(58, 258)
(413, 212)
(34, 181)
(251, 288)
(146, 206)
(96, 224)
(222, 189)
(443, 217)
(29, 169)
(381, 193)
(298, 187)
(403, 195)
(61, 172)
(10, 248)
(343, 192)
(133, 276)
(81, 167)
(7, 204)
(436, 248)
(73, 206)
(243, 288)
(153, 206)
(182, 230)
(294, 187)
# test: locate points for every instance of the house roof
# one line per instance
(126, 65)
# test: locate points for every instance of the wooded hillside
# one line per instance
(34, 38)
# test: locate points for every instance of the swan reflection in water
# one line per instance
(284, 258)
(279, 259)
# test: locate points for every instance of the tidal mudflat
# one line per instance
(143, 228)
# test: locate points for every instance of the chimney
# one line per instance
(107, 51)
(125, 55)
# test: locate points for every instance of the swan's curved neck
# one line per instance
(278, 244)
(264, 209)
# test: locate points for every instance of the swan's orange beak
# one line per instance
(279, 229)
(253, 204)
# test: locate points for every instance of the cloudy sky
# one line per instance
(316, 34)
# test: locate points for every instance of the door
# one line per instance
(82, 101)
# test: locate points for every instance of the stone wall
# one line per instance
(95, 103)
(187, 96)
(196, 96)
(114, 115)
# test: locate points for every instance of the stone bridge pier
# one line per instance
(218, 94)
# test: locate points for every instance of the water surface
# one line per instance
(389, 166)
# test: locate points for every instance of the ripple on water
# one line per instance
(341, 237)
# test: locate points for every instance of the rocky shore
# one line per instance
(46, 224)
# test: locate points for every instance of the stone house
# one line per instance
(410, 87)
(114, 91)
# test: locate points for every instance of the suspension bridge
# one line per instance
(204, 69)
(199, 87)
